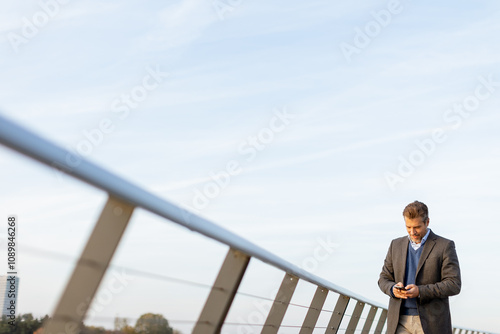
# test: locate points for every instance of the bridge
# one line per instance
(352, 313)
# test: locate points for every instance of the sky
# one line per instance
(304, 126)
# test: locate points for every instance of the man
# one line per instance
(420, 272)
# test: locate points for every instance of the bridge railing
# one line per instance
(124, 197)
(463, 330)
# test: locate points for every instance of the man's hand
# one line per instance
(399, 293)
(411, 291)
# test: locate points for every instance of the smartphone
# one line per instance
(402, 288)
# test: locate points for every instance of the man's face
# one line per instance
(417, 228)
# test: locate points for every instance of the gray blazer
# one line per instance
(438, 277)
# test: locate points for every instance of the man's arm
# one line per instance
(386, 280)
(450, 283)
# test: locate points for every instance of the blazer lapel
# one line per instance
(428, 246)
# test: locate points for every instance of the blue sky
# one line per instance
(179, 89)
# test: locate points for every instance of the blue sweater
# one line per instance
(409, 306)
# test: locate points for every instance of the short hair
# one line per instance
(416, 209)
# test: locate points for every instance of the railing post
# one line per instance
(277, 312)
(356, 314)
(381, 322)
(369, 320)
(222, 294)
(337, 315)
(314, 311)
(90, 268)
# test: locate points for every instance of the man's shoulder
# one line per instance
(400, 240)
(438, 238)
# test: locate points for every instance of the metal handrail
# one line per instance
(22, 140)
(465, 330)
(28, 143)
